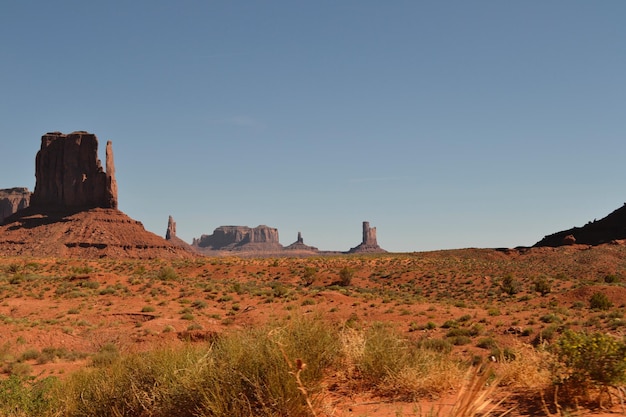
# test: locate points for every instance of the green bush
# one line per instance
(595, 358)
(600, 301)
(309, 275)
(510, 285)
(345, 276)
(21, 396)
(542, 286)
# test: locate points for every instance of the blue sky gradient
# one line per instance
(445, 124)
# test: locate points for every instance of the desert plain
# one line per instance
(498, 309)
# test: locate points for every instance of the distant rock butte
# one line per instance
(73, 210)
(240, 238)
(609, 229)
(170, 235)
(12, 200)
(369, 243)
(70, 175)
(299, 245)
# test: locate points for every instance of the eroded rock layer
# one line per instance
(91, 233)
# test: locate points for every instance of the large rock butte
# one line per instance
(73, 210)
(70, 175)
(369, 243)
(240, 238)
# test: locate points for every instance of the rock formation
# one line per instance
(240, 238)
(606, 230)
(12, 200)
(70, 176)
(369, 243)
(299, 245)
(171, 228)
(73, 210)
(170, 236)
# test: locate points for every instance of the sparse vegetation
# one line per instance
(431, 312)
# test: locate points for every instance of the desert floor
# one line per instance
(68, 309)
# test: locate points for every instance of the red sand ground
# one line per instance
(82, 305)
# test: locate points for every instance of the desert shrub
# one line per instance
(309, 275)
(107, 355)
(199, 304)
(167, 274)
(598, 359)
(392, 365)
(460, 340)
(450, 324)
(600, 301)
(247, 372)
(29, 355)
(436, 345)
(21, 397)
(546, 334)
(542, 286)
(510, 285)
(612, 279)
(487, 343)
(345, 276)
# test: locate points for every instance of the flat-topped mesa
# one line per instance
(369, 243)
(240, 238)
(70, 176)
(12, 200)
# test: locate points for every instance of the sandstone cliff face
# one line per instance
(70, 175)
(369, 243)
(12, 200)
(240, 238)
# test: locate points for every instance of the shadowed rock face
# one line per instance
(369, 243)
(70, 176)
(12, 200)
(240, 238)
(605, 230)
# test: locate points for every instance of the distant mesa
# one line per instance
(239, 239)
(12, 200)
(299, 245)
(609, 229)
(369, 243)
(73, 209)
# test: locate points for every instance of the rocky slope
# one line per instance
(608, 229)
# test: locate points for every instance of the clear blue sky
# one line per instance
(445, 124)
